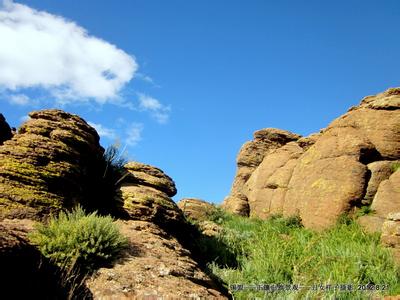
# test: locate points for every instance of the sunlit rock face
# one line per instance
(45, 166)
(346, 165)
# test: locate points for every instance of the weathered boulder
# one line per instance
(44, 165)
(391, 233)
(380, 171)
(319, 177)
(331, 176)
(196, 209)
(387, 198)
(267, 186)
(155, 266)
(5, 130)
(145, 195)
(147, 175)
(250, 156)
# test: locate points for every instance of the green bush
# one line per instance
(102, 183)
(76, 238)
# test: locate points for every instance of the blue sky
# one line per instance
(183, 84)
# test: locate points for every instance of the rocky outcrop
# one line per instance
(196, 209)
(387, 198)
(5, 130)
(250, 156)
(155, 266)
(391, 233)
(268, 184)
(54, 163)
(44, 165)
(346, 165)
(145, 193)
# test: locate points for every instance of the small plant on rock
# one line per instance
(83, 240)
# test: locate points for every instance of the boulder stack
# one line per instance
(145, 193)
(44, 165)
(250, 156)
(345, 166)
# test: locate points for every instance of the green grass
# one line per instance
(77, 239)
(281, 251)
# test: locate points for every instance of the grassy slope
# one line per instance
(279, 250)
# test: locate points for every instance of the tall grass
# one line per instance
(281, 251)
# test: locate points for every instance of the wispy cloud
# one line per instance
(133, 134)
(156, 109)
(41, 50)
(104, 131)
(19, 99)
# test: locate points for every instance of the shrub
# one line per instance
(102, 183)
(76, 238)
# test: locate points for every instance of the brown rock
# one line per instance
(143, 193)
(371, 223)
(155, 266)
(250, 156)
(210, 228)
(237, 204)
(388, 100)
(196, 209)
(267, 185)
(391, 234)
(387, 198)
(324, 175)
(380, 171)
(331, 176)
(44, 166)
(5, 130)
(150, 176)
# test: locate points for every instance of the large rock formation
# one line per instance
(250, 156)
(5, 130)
(156, 266)
(44, 166)
(145, 193)
(55, 162)
(325, 175)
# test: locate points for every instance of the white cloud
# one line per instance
(39, 49)
(134, 134)
(19, 99)
(104, 131)
(157, 110)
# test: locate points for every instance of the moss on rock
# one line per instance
(44, 165)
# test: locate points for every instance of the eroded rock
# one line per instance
(267, 186)
(44, 166)
(391, 233)
(155, 266)
(250, 156)
(196, 209)
(320, 177)
(145, 192)
(387, 198)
